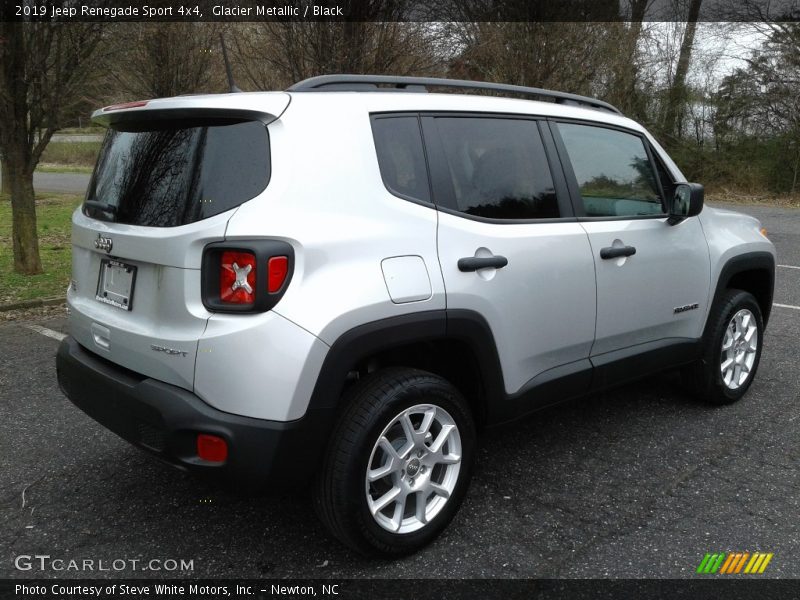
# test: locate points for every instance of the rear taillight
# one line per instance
(249, 276)
(237, 277)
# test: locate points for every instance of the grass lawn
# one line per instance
(82, 154)
(83, 131)
(69, 157)
(53, 212)
(753, 198)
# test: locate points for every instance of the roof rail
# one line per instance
(371, 83)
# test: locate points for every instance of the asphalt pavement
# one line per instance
(61, 183)
(640, 482)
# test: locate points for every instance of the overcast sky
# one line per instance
(719, 48)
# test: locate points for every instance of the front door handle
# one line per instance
(473, 263)
(617, 252)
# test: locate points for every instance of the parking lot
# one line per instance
(640, 481)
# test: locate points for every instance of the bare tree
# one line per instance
(157, 60)
(677, 95)
(565, 56)
(43, 69)
(764, 98)
(273, 55)
(5, 184)
(623, 90)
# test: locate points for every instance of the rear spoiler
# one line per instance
(262, 106)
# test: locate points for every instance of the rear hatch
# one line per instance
(169, 176)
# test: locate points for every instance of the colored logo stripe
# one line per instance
(758, 563)
(711, 563)
(733, 562)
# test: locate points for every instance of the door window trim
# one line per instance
(442, 185)
(572, 181)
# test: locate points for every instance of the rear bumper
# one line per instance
(164, 420)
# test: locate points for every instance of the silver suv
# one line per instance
(339, 284)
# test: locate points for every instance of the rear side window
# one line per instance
(168, 174)
(614, 173)
(398, 142)
(498, 167)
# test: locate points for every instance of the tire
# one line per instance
(733, 315)
(375, 410)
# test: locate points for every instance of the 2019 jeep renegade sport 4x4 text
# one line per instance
(338, 284)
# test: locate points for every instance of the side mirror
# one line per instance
(687, 202)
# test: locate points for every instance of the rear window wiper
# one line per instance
(101, 206)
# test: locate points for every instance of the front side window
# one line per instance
(614, 173)
(498, 167)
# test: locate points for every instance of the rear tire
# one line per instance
(731, 350)
(398, 464)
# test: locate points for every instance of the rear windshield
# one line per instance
(169, 174)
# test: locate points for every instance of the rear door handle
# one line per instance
(617, 252)
(473, 263)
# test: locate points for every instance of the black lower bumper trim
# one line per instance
(164, 420)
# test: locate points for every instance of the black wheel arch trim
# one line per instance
(750, 261)
(363, 341)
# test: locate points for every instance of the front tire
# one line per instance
(731, 349)
(399, 463)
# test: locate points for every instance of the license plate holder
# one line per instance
(115, 283)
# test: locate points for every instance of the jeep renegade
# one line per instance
(339, 284)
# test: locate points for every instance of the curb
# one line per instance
(32, 304)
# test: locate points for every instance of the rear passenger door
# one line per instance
(646, 268)
(509, 247)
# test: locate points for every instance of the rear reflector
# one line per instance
(124, 105)
(277, 268)
(212, 448)
(237, 277)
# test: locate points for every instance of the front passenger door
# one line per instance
(652, 278)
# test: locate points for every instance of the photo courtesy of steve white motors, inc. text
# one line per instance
(194, 590)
